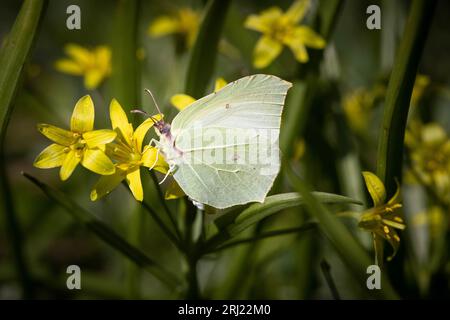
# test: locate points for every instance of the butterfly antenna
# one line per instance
(154, 100)
(144, 113)
(140, 111)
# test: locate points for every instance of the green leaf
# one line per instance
(13, 56)
(105, 233)
(398, 94)
(204, 52)
(348, 248)
(231, 224)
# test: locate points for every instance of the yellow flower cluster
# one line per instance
(429, 147)
(116, 154)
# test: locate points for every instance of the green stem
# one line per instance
(165, 206)
(398, 95)
(348, 248)
(326, 270)
(193, 291)
(264, 235)
(13, 57)
(162, 225)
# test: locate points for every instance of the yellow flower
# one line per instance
(181, 101)
(94, 65)
(81, 144)
(281, 29)
(129, 155)
(429, 148)
(184, 22)
(384, 218)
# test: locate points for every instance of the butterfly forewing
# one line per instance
(229, 142)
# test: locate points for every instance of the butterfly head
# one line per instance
(162, 127)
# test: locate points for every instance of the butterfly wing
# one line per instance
(229, 142)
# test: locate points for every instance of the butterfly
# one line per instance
(223, 149)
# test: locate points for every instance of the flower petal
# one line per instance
(97, 161)
(106, 184)
(93, 77)
(309, 37)
(181, 101)
(396, 196)
(254, 22)
(103, 59)
(83, 115)
(142, 129)
(162, 26)
(58, 135)
(264, 21)
(297, 10)
(392, 237)
(375, 188)
(174, 191)
(149, 157)
(219, 84)
(266, 50)
(69, 66)
(51, 157)
(135, 184)
(79, 54)
(299, 50)
(119, 121)
(97, 138)
(69, 164)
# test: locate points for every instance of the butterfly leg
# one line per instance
(171, 169)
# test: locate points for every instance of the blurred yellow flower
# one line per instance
(281, 29)
(434, 218)
(82, 144)
(383, 218)
(181, 101)
(129, 154)
(429, 148)
(358, 105)
(420, 85)
(184, 22)
(94, 65)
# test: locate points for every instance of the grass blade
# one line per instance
(105, 233)
(125, 79)
(230, 225)
(13, 57)
(203, 56)
(398, 95)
